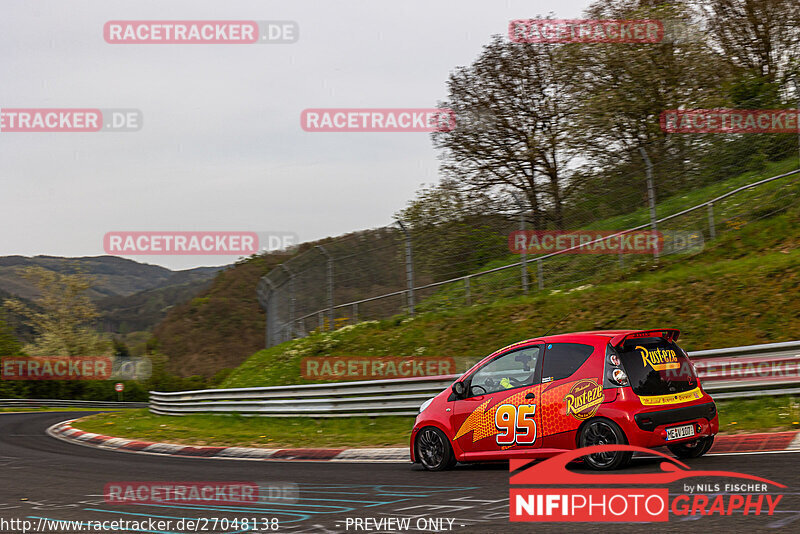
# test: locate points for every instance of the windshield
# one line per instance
(656, 366)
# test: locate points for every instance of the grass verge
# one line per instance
(768, 414)
(761, 414)
(265, 432)
(742, 301)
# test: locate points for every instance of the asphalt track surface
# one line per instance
(43, 477)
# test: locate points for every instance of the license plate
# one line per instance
(679, 432)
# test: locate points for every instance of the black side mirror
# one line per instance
(459, 389)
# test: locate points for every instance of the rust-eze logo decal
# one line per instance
(583, 399)
(659, 359)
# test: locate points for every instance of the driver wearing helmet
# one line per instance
(509, 382)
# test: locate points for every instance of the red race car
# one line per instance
(540, 397)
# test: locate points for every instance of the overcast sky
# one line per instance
(221, 147)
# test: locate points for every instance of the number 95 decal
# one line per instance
(516, 424)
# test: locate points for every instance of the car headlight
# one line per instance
(425, 405)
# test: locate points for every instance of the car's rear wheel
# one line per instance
(693, 449)
(604, 432)
(433, 450)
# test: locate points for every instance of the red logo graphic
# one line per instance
(729, 121)
(585, 31)
(355, 368)
(38, 120)
(180, 31)
(57, 368)
(378, 120)
(181, 243)
(181, 492)
(585, 242)
(582, 504)
(621, 503)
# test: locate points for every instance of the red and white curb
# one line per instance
(728, 444)
(66, 432)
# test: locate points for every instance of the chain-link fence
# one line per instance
(408, 268)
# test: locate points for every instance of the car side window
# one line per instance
(563, 359)
(511, 370)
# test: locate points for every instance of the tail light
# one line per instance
(619, 377)
(615, 376)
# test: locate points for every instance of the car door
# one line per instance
(572, 391)
(499, 412)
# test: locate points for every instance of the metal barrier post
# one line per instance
(524, 253)
(291, 300)
(651, 195)
(409, 268)
(712, 231)
(330, 286)
(541, 276)
(265, 292)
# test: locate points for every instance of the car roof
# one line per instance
(590, 333)
(599, 335)
(604, 333)
(574, 336)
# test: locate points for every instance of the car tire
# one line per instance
(694, 449)
(601, 431)
(434, 451)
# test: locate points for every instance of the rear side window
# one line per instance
(563, 359)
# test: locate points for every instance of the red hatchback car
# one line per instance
(540, 397)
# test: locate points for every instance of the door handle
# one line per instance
(530, 396)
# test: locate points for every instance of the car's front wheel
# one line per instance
(604, 432)
(433, 450)
(693, 449)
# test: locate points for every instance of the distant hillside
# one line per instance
(130, 296)
(144, 310)
(220, 327)
(114, 276)
(224, 325)
(17, 324)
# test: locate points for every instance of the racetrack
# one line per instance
(43, 477)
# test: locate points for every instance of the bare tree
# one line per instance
(761, 36)
(513, 107)
(625, 87)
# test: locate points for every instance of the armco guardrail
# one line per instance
(66, 403)
(752, 371)
(401, 396)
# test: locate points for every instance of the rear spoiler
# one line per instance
(670, 334)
